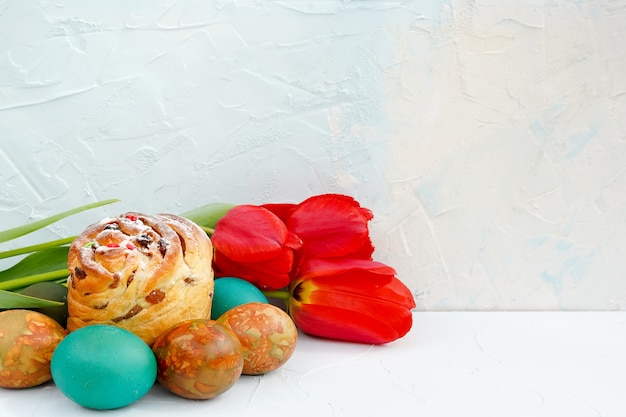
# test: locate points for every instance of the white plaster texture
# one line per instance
(488, 137)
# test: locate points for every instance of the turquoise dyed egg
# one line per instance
(103, 367)
(230, 292)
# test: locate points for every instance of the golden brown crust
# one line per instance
(140, 272)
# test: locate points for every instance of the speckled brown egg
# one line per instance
(198, 359)
(27, 341)
(267, 334)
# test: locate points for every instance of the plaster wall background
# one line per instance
(488, 137)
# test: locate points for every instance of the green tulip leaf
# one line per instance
(22, 282)
(9, 299)
(16, 232)
(38, 247)
(46, 261)
(208, 215)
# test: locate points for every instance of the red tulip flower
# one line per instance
(252, 243)
(329, 225)
(332, 226)
(321, 251)
(351, 299)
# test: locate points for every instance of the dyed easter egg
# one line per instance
(267, 335)
(230, 292)
(198, 359)
(27, 342)
(103, 367)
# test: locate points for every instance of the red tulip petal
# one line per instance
(251, 234)
(395, 291)
(362, 295)
(332, 225)
(357, 292)
(282, 210)
(380, 326)
(350, 299)
(345, 268)
(270, 274)
(351, 278)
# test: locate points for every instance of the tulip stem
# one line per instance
(208, 230)
(280, 294)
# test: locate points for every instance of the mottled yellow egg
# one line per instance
(267, 334)
(27, 341)
(198, 359)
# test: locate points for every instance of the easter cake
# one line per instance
(141, 272)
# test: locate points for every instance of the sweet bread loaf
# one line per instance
(144, 273)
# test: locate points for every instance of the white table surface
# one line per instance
(558, 364)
